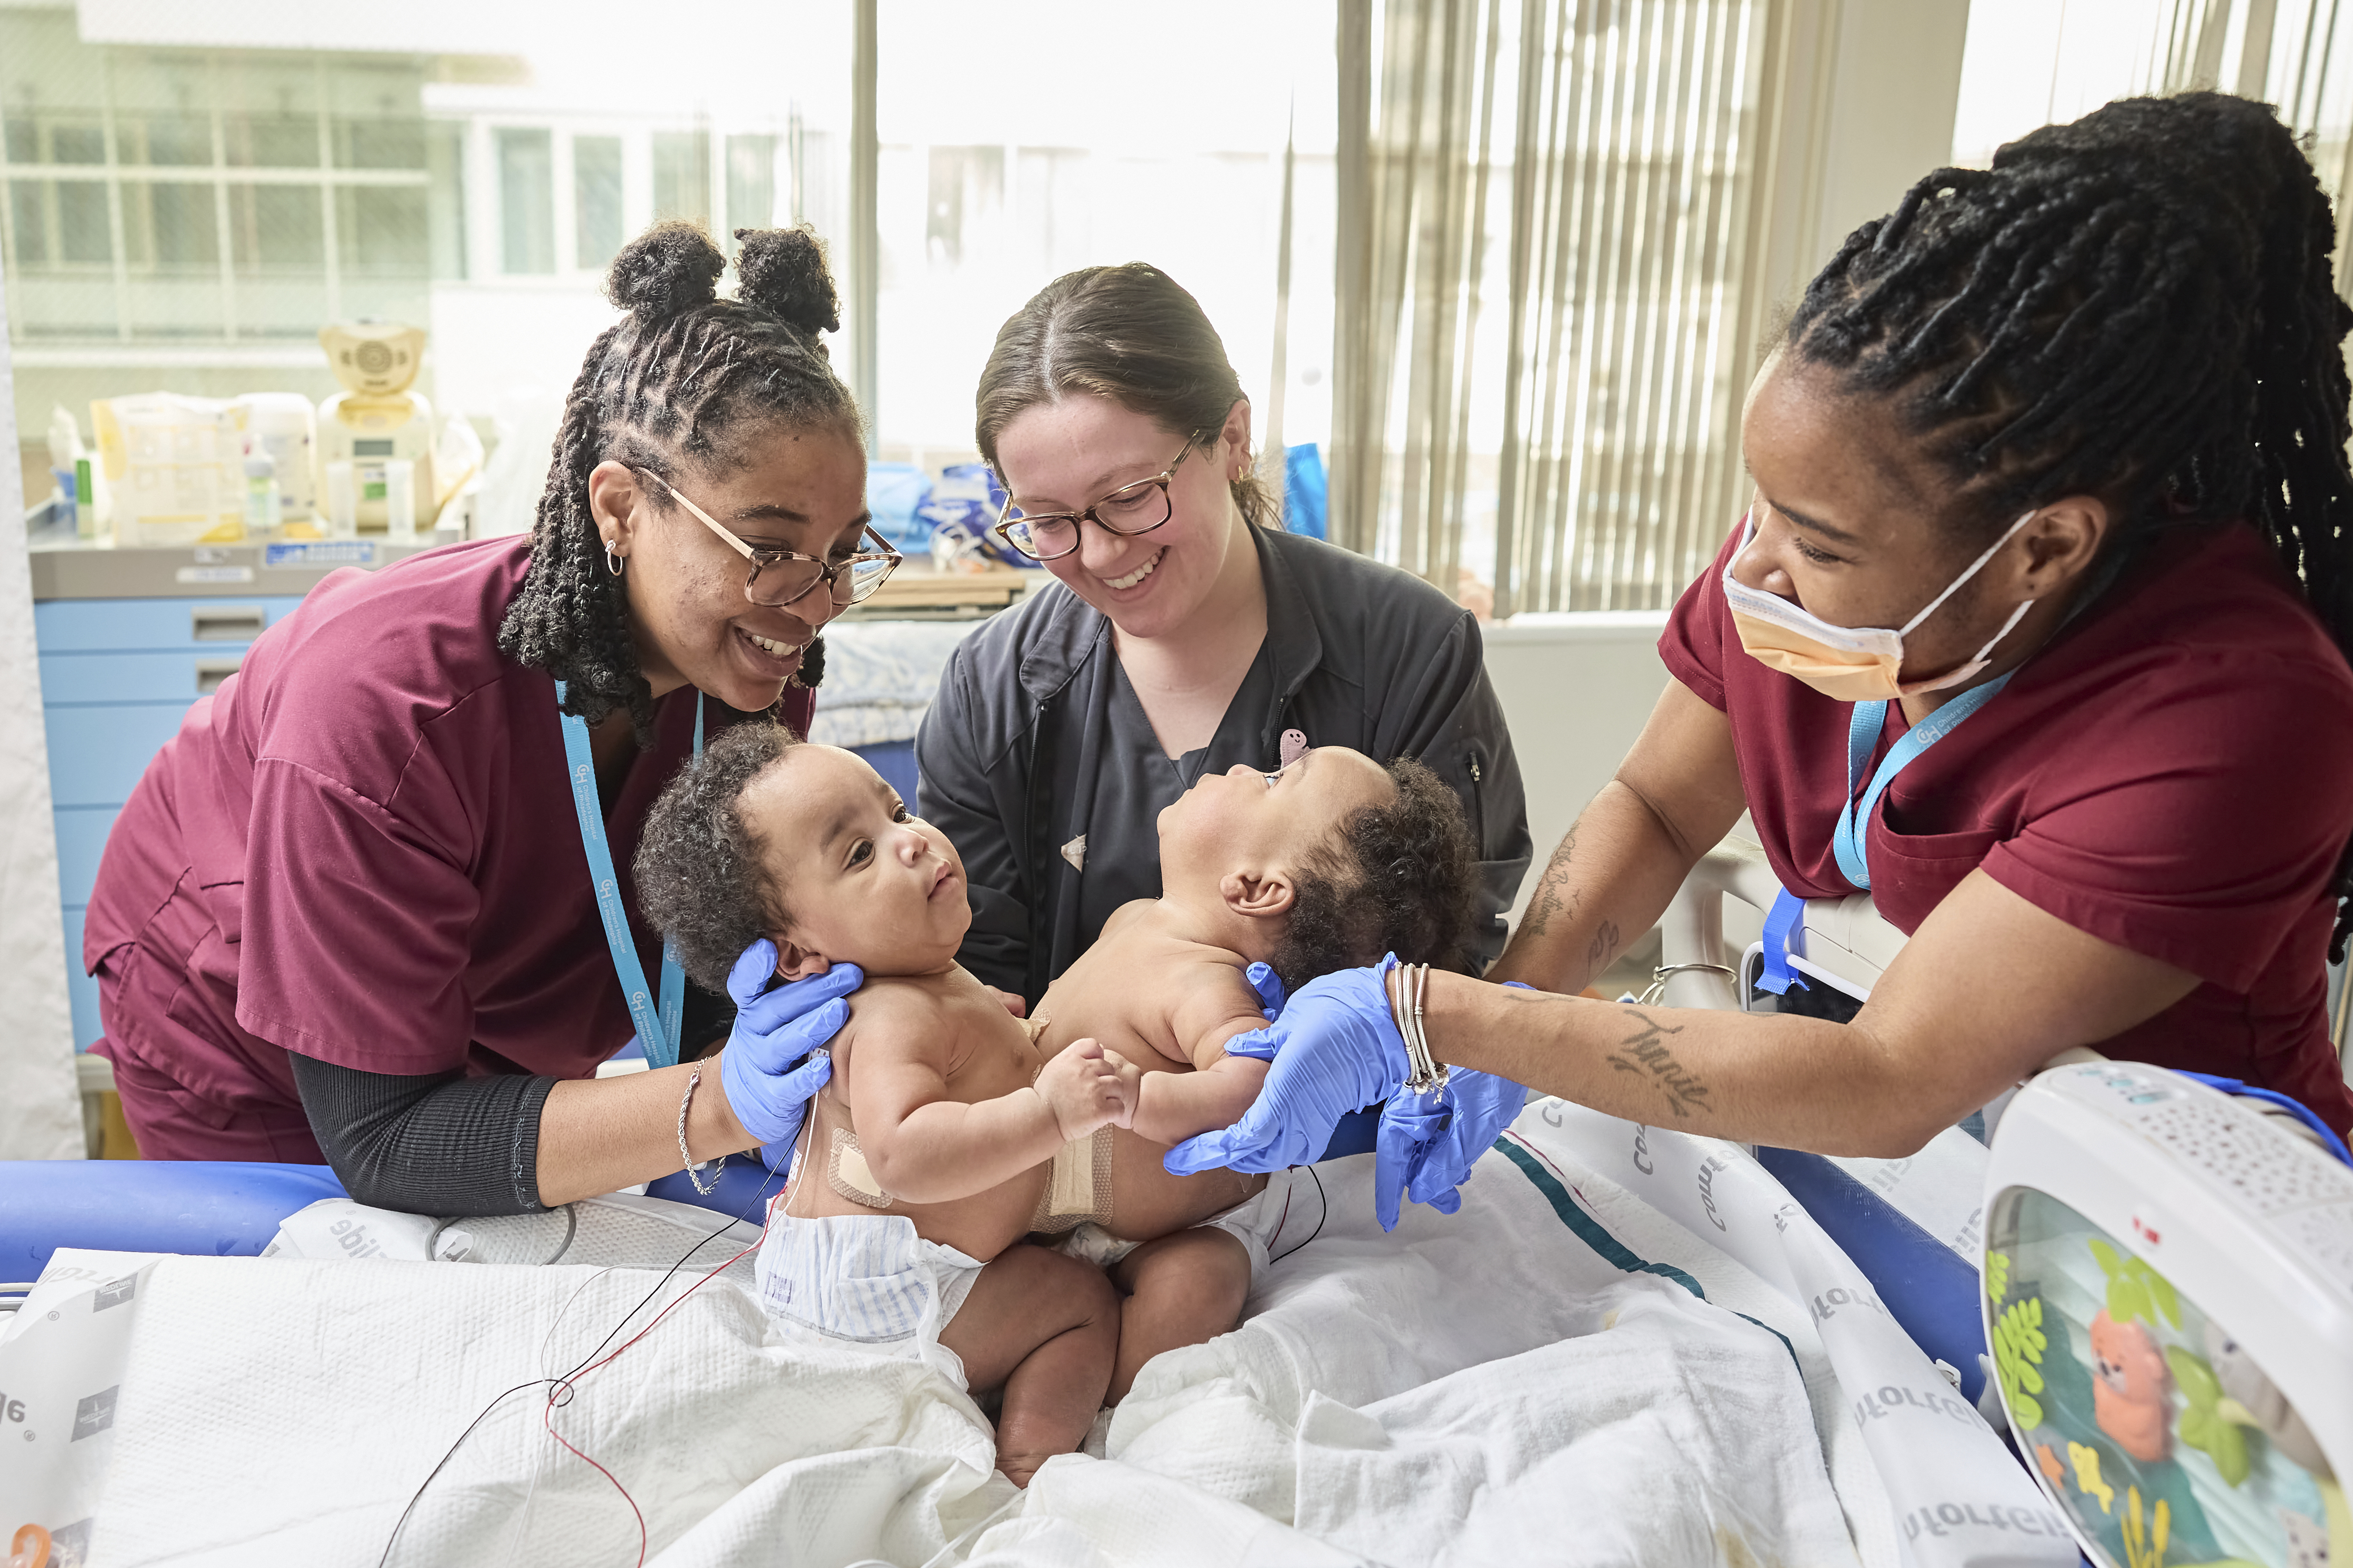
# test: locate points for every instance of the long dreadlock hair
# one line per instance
(2138, 306)
(685, 378)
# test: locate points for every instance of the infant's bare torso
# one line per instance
(1128, 990)
(990, 1055)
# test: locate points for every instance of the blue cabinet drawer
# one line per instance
(81, 841)
(137, 677)
(81, 991)
(96, 754)
(111, 626)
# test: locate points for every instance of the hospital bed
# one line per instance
(1563, 1160)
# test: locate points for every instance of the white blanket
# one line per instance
(1559, 1371)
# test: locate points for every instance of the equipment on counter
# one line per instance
(377, 426)
(2168, 1295)
(284, 427)
(173, 467)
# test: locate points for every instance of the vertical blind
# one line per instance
(2297, 55)
(1542, 347)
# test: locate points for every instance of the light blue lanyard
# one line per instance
(1863, 735)
(657, 1032)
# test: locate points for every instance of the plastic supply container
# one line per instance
(286, 427)
(263, 507)
(175, 467)
(342, 501)
(399, 500)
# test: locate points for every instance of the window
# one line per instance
(993, 180)
(276, 227)
(526, 201)
(750, 182)
(682, 175)
(595, 201)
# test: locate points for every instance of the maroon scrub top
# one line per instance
(2172, 772)
(364, 848)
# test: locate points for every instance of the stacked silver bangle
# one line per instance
(1408, 985)
(693, 1170)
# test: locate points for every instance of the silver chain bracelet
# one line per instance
(693, 1170)
(1423, 1076)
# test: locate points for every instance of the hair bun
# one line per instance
(672, 266)
(782, 272)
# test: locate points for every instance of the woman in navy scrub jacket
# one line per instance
(1193, 635)
(350, 910)
(2100, 387)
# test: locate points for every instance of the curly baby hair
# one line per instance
(684, 381)
(1401, 878)
(703, 877)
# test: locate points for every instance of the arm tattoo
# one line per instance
(1605, 942)
(1551, 896)
(1645, 1054)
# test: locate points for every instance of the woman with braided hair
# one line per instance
(2077, 426)
(373, 901)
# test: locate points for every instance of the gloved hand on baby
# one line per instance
(1336, 1048)
(1333, 1049)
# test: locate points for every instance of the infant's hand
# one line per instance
(1013, 1004)
(1083, 1089)
(1130, 1087)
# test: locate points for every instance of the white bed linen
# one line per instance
(1561, 1371)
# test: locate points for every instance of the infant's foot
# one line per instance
(1018, 1468)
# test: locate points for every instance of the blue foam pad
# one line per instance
(743, 1192)
(1926, 1286)
(209, 1208)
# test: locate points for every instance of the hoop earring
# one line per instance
(614, 561)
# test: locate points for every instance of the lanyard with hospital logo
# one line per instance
(658, 1029)
(1862, 737)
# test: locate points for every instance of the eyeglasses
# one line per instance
(1128, 510)
(781, 577)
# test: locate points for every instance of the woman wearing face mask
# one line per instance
(1195, 634)
(2071, 434)
(373, 901)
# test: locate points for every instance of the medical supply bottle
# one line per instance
(262, 504)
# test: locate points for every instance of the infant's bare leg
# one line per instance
(1045, 1327)
(1183, 1290)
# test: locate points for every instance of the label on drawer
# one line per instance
(215, 575)
(321, 552)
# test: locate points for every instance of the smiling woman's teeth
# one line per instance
(780, 649)
(1139, 574)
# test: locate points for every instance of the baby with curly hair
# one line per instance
(952, 1130)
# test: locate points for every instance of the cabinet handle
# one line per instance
(225, 623)
(211, 672)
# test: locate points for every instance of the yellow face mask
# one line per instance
(1847, 664)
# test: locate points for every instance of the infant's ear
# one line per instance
(1260, 895)
(795, 962)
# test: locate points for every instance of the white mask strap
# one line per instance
(1955, 586)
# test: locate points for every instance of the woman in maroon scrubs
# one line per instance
(350, 908)
(2097, 393)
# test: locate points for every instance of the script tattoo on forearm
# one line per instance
(1605, 942)
(1645, 1054)
(1551, 895)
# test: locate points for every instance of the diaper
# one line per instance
(865, 1283)
(1078, 1190)
(1254, 1222)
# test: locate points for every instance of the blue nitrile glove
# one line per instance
(1427, 1150)
(1410, 1124)
(766, 1070)
(1269, 986)
(1335, 1050)
(1483, 1105)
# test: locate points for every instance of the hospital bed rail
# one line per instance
(1927, 1287)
